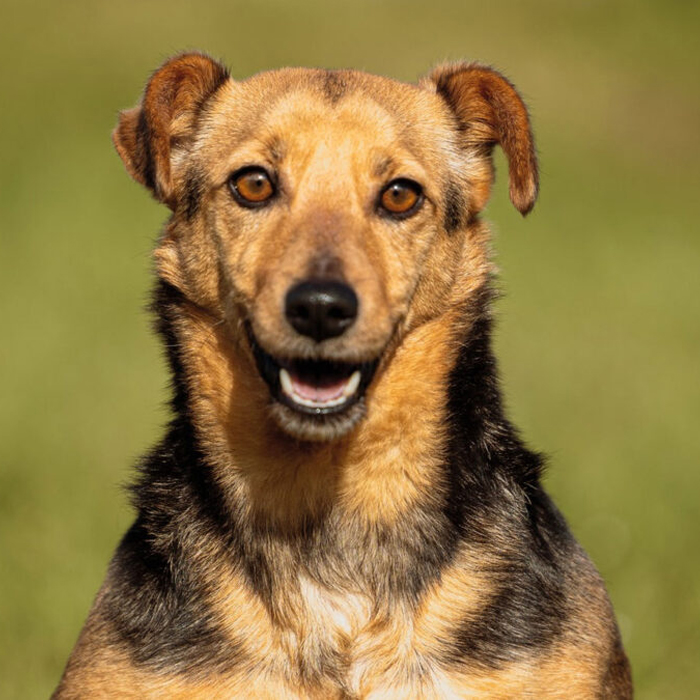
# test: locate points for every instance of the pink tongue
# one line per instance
(320, 394)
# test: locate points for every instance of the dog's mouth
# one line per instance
(314, 387)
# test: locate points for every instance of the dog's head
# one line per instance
(323, 215)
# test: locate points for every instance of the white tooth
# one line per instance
(353, 383)
(286, 382)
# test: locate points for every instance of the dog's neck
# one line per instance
(433, 445)
(397, 448)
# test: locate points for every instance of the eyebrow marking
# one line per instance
(277, 149)
(381, 165)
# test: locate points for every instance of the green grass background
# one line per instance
(599, 327)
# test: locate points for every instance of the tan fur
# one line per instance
(339, 141)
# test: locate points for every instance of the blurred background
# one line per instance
(599, 325)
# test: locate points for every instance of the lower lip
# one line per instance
(319, 398)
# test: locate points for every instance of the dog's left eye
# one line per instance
(401, 197)
(251, 186)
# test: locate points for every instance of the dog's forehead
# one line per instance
(334, 90)
(289, 108)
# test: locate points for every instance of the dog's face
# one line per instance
(323, 215)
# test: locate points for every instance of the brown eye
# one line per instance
(251, 186)
(401, 197)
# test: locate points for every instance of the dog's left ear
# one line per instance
(146, 135)
(490, 111)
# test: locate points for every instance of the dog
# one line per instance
(339, 507)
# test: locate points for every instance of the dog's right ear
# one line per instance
(168, 112)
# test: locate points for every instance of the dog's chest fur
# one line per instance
(331, 631)
(347, 638)
(342, 602)
(347, 645)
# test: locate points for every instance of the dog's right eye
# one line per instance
(251, 186)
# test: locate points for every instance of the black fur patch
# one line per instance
(489, 467)
(334, 86)
(147, 164)
(455, 209)
(194, 191)
(155, 606)
(389, 563)
(529, 610)
(155, 600)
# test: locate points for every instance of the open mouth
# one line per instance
(314, 387)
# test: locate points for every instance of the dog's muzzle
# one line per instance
(314, 387)
(317, 388)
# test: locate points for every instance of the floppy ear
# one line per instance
(490, 111)
(168, 112)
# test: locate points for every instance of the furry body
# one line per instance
(400, 546)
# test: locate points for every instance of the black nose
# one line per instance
(320, 309)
